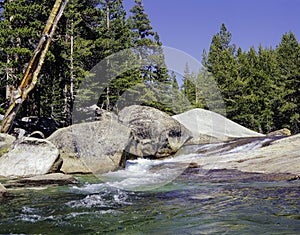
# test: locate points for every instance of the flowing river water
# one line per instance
(159, 197)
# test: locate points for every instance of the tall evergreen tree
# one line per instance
(189, 86)
(153, 72)
(244, 96)
(21, 28)
(114, 36)
(288, 54)
(267, 92)
(257, 71)
(222, 64)
(179, 101)
(76, 57)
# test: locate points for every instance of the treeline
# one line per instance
(261, 89)
(88, 32)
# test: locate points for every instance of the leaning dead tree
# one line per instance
(34, 66)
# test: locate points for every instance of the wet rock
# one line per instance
(29, 157)
(3, 191)
(94, 147)
(5, 143)
(280, 156)
(154, 133)
(232, 175)
(296, 177)
(55, 178)
(210, 127)
(193, 165)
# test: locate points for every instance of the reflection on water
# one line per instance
(184, 206)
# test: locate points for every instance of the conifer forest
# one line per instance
(260, 87)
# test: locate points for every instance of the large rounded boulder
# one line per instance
(92, 147)
(29, 157)
(154, 133)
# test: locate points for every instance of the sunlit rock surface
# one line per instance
(29, 157)
(207, 127)
(93, 147)
(281, 156)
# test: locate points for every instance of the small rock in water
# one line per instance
(194, 165)
(297, 177)
(281, 132)
(55, 178)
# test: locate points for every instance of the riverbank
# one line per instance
(148, 139)
(280, 156)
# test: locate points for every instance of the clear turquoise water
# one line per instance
(190, 201)
(186, 205)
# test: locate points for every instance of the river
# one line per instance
(158, 197)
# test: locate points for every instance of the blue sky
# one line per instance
(190, 24)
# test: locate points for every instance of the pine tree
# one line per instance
(243, 104)
(142, 31)
(222, 65)
(161, 82)
(256, 95)
(76, 40)
(288, 54)
(267, 92)
(114, 36)
(155, 81)
(206, 95)
(179, 101)
(251, 100)
(21, 29)
(189, 86)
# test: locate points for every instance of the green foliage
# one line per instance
(261, 89)
(113, 37)
(90, 32)
(21, 26)
(288, 54)
(154, 82)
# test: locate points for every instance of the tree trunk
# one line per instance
(108, 29)
(72, 75)
(34, 66)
